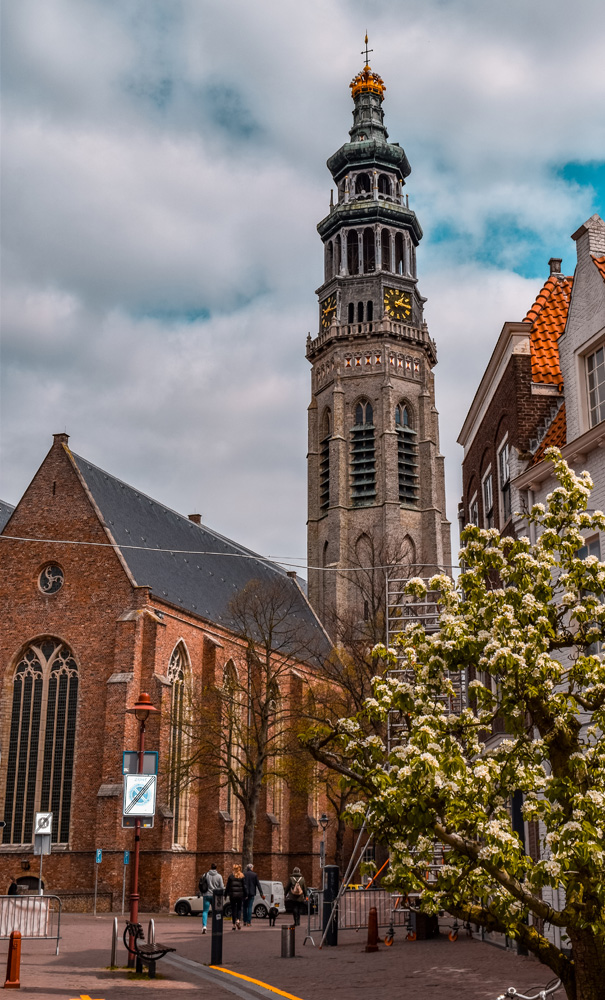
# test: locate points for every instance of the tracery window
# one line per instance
(407, 456)
(179, 797)
(363, 456)
(44, 706)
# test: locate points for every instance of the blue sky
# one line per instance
(164, 172)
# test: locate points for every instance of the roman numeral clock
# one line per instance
(375, 475)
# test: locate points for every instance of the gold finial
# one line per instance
(366, 52)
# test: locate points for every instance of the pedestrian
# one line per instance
(296, 894)
(12, 889)
(236, 891)
(251, 886)
(208, 883)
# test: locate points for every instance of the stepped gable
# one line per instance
(548, 316)
(556, 435)
(600, 264)
(6, 510)
(184, 563)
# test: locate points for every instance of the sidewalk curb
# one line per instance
(240, 988)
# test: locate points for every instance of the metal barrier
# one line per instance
(36, 917)
(354, 909)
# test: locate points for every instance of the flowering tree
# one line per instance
(522, 621)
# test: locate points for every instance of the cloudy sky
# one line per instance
(164, 171)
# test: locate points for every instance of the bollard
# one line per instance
(114, 945)
(372, 944)
(216, 950)
(13, 963)
(288, 941)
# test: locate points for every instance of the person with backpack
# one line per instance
(296, 894)
(252, 886)
(207, 884)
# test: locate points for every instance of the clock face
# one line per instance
(328, 310)
(397, 304)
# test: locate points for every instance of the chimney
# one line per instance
(555, 265)
(196, 518)
(60, 438)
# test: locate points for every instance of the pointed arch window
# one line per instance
(363, 456)
(324, 461)
(232, 700)
(385, 243)
(43, 721)
(352, 252)
(179, 796)
(407, 456)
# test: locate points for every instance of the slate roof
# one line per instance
(5, 512)
(548, 316)
(184, 563)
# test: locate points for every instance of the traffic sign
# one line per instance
(44, 823)
(139, 794)
(130, 762)
(126, 857)
(99, 855)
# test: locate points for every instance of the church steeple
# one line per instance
(376, 483)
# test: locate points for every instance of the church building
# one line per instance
(376, 490)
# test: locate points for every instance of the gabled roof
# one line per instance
(548, 316)
(6, 510)
(187, 564)
(556, 435)
(600, 263)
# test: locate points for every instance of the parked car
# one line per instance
(187, 906)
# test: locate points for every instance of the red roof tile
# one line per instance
(600, 262)
(556, 435)
(548, 316)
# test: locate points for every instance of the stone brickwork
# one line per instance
(122, 637)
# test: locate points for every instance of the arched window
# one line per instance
(351, 313)
(360, 312)
(384, 184)
(363, 456)
(407, 456)
(369, 251)
(385, 244)
(179, 797)
(231, 696)
(362, 184)
(44, 705)
(329, 260)
(337, 255)
(369, 311)
(399, 253)
(352, 252)
(324, 460)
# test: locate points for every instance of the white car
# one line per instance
(273, 892)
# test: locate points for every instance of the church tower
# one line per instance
(375, 475)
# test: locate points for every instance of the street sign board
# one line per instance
(44, 823)
(139, 794)
(130, 762)
(126, 857)
(42, 843)
(129, 822)
(98, 855)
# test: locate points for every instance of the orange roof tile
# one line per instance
(600, 262)
(556, 435)
(548, 316)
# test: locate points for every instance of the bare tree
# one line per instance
(243, 731)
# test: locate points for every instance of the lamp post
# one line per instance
(141, 711)
(323, 822)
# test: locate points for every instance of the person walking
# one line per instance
(236, 890)
(252, 886)
(208, 883)
(12, 889)
(296, 894)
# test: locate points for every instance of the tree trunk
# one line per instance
(589, 962)
(250, 813)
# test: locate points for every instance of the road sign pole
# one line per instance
(134, 895)
(125, 865)
(40, 889)
(96, 882)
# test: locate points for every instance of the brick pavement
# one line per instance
(422, 970)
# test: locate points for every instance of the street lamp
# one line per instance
(323, 822)
(141, 711)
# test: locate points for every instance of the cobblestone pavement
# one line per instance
(420, 970)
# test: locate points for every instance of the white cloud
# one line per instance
(164, 171)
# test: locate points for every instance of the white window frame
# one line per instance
(503, 484)
(600, 387)
(473, 510)
(488, 476)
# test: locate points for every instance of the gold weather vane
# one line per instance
(366, 52)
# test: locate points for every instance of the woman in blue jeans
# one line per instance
(214, 880)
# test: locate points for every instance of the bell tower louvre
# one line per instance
(376, 489)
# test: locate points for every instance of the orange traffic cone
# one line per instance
(13, 963)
